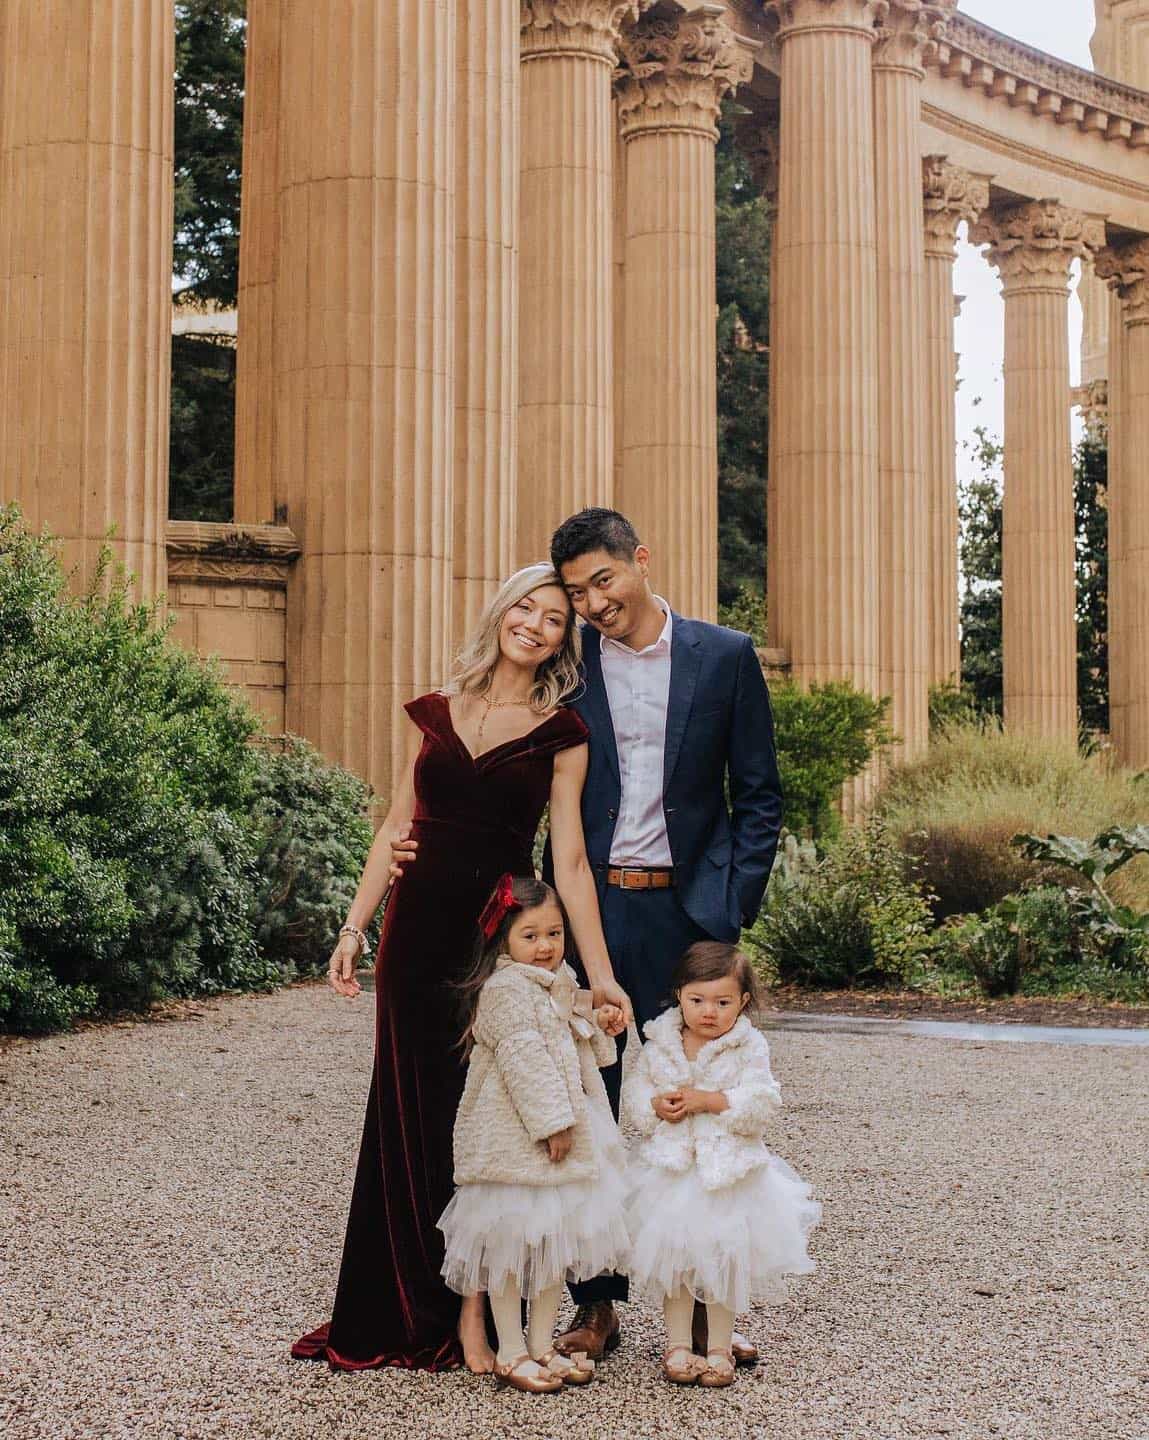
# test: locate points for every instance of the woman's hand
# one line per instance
(403, 850)
(610, 1019)
(342, 966)
(609, 994)
(669, 1106)
(559, 1145)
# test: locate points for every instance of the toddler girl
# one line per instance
(714, 1216)
(539, 1166)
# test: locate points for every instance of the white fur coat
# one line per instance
(530, 1075)
(724, 1147)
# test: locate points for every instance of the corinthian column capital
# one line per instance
(949, 196)
(675, 73)
(793, 17)
(1125, 269)
(581, 27)
(909, 34)
(1033, 244)
(758, 139)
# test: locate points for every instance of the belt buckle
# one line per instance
(624, 871)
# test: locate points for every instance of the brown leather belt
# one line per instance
(637, 879)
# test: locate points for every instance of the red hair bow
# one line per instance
(498, 906)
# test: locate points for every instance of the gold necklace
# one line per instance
(494, 705)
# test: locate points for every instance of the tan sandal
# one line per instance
(574, 1369)
(686, 1371)
(544, 1384)
(717, 1376)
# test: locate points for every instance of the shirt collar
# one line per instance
(659, 647)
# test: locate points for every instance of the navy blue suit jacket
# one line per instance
(719, 741)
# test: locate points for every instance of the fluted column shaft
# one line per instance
(256, 492)
(823, 535)
(1126, 268)
(566, 442)
(486, 284)
(951, 195)
(673, 77)
(85, 274)
(1032, 246)
(908, 30)
(364, 400)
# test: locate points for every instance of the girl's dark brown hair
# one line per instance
(529, 894)
(716, 960)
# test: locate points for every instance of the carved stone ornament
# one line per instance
(251, 555)
(588, 27)
(677, 72)
(792, 16)
(1125, 268)
(759, 141)
(949, 196)
(909, 35)
(1033, 244)
(1092, 401)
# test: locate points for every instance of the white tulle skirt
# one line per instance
(535, 1236)
(728, 1247)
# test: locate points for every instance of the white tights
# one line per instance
(678, 1312)
(507, 1309)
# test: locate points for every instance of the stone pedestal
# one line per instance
(910, 29)
(951, 195)
(1032, 245)
(1126, 268)
(486, 298)
(364, 316)
(673, 77)
(85, 274)
(566, 442)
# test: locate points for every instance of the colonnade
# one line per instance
(477, 293)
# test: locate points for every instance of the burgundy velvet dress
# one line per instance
(474, 820)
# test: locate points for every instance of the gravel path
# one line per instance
(174, 1217)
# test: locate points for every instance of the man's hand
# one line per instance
(559, 1146)
(610, 992)
(610, 1019)
(669, 1106)
(703, 1102)
(402, 852)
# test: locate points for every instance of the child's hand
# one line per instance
(703, 1102)
(610, 1019)
(559, 1146)
(669, 1106)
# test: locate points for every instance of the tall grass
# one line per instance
(957, 808)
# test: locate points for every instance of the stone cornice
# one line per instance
(854, 16)
(1033, 244)
(909, 35)
(674, 73)
(580, 27)
(243, 554)
(1125, 269)
(949, 196)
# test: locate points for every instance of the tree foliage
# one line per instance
(1090, 472)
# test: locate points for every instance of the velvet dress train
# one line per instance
(474, 820)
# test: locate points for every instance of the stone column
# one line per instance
(364, 351)
(823, 536)
(951, 196)
(257, 496)
(674, 75)
(486, 284)
(566, 442)
(85, 275)
(908, 34)
(1032, 246)
(1126, 268)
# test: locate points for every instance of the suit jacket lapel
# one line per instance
(595, 704)
(685, 661)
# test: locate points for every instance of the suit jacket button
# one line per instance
(610, 814)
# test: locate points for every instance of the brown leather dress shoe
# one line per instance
(596, 1331)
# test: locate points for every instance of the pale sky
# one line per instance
(1062, 28)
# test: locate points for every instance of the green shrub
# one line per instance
(825, 735)
(858, 917)
(746, 611)
(951, 704)
(957, 809)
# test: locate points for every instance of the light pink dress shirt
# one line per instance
(638, 689)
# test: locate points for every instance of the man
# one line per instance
(679, 716)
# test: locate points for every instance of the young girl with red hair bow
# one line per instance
(539, 1165)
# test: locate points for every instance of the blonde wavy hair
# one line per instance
(556, 679)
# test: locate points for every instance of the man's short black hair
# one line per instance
(594, 529)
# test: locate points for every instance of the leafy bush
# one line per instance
(746, 611)
(956, 810)
(825, 736)
(951, 704)
(857, 917)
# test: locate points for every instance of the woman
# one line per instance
(487, 755)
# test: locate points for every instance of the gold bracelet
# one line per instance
(364, 948)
